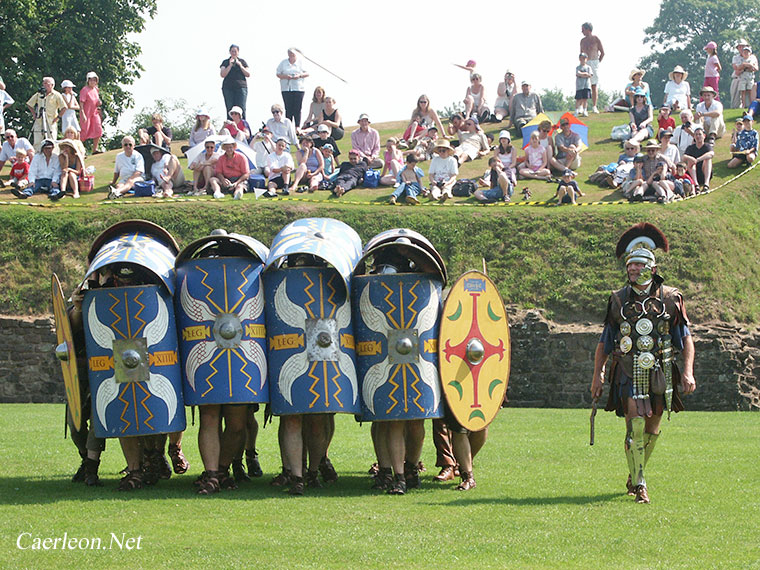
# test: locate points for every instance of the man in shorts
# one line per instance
(592, 46)
(230, 172)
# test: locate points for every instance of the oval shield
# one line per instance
(396, 325)
(66, 353)
(132, 361)
(474, 350)
(311, 344)
(220, 316)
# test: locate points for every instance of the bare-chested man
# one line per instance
(592, 46)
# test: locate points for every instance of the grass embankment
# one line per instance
(558, 258)
(544, 499)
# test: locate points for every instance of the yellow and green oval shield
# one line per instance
(65, 352)
(474, 350)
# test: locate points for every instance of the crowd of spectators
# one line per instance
(677, 159)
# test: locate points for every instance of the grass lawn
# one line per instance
(544, 499)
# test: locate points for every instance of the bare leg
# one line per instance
(396, 446)
(292, 443)
(233, 438)
(208, 436)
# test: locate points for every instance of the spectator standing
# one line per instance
(366, 141)
(592, 46)
(69, 116)
(712, 68)
(710, 110)
(525, 106)
(47, 106)
(44, 174)
(583, 77)
(5, 102)
(89, 113)
(737, 65)
(11, 144)
(749, 66)
(234, 70)
(291, 75)
(678, 90)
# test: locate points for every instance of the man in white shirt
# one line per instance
(11, 144)
(711, 112)
(128, 169)
(44, 174)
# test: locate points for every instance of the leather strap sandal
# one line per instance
(132, 480)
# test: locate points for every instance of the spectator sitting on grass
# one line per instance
(744, 150)
(366, 141)
(525, 106)
(423, 117)
(281, 127)
(44, 174)
(683, 136)
(644, 177)
(507, 155)
(129, 168)
(311, 165)
(167, 173)
(203, 168)
(500, 186)
(158, 133)
(324, 137)
(505, 91)
(698, 158)
(202, 129)
(664, 120)
(641, 118)
(72, 166)
(683, 182)
(668, 153)
(636, 82)
(330, 164)
(544, 139)
(473, 142)
(536, 163)
(410, 183)
(280, 165)
(475, 99)
(263, 146)
(443, 171)
(568, 191)
(455, 126)
(678, 90)
(426, 144)
(392, 164)
(350, 173)
(19, 174)
(11, 144)
(231, 171)
(236, 127)
(568, 144)
(710, 111)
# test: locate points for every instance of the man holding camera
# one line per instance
(47, 106)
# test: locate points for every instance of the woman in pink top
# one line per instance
(536, 160)
(712, 68)
(89, 113)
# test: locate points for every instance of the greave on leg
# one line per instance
(650, 440)
(637, 450)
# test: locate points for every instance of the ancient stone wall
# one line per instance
(552, 364)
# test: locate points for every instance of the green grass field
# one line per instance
(544, 499)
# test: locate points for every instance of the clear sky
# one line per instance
(389, 52)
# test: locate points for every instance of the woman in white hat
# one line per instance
(677, 90)
(69, 116)
(89, 115)
(203, 128)
(636, 81)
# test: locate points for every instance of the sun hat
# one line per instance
(505, 135)
(634, 71)
(236, 109)
(678, 69)
(67, 83)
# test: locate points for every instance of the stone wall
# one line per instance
(552, 364)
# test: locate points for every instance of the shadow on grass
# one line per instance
(532, 501)
(38, 491)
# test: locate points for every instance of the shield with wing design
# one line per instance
(132, 361)
(311, 344)
(396, 326)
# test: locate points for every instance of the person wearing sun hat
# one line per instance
(636, 82)
(69, 115)
(677, 90)
(711, 112)
(202, 129)
(443, 171)
(736, 71)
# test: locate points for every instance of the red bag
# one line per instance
(86, 183)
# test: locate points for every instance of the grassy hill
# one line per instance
(557, 258)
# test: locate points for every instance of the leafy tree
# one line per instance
(66, 39)
(680, 32)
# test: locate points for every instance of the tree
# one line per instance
(680, 32)
(66, 39)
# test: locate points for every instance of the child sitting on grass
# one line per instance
(568, 191)
(664, 120)
(409, 181)
(684, 185)
(19, 171)
(501, 187)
